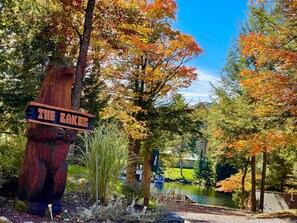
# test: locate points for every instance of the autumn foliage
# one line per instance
(273, 78)
(255, 111)
(152, 65)
(232, 183)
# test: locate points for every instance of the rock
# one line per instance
(4, 220)
(82, 181)
(84, 214)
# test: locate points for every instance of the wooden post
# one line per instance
(146, 178)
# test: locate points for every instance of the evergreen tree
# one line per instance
(203, 170)
(280, 171)
(91, 98)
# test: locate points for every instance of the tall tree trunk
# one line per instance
(133, 151)
(146, 179)
(244, 172)
(181, 160)
(284, 177)
(262, 193)
(82, 57)
(181, 168)
(253, 195)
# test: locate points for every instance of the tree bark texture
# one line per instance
(253, 193)
(82, 57)
(146, 179)
(263, 178)
(181, 168)
(245, 167)
(133, 151)
(44, 170)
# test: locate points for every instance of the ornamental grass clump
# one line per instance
(104, 157)
(118, 211)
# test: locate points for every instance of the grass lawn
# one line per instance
(174, 173)
(75, 179)
(76, 171)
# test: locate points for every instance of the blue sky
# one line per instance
(214, 24)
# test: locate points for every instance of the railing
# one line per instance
(171, 197)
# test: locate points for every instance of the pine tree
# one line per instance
(203, 170)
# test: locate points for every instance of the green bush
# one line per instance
(132, 192)
(236, 197)
(104, 157)
(21, 206)
(12, 149)
(76, 179)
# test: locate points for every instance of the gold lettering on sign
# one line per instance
(68, 119)
(86, 122)
(45, 114)
(80, 121)
(62, 117)
(83, 122)
(75, 120)
(52, 115)
(40, 113)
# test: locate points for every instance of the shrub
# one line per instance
(21, 206)
(12, 149)
(104, 157)
(117, 211)
(132, 192)
(237, 196)
(203, 171)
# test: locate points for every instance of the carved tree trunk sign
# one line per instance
(52, 127)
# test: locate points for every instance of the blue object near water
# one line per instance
(155, 160)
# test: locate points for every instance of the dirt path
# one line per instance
(193, 213)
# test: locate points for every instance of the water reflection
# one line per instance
(201, 195)
(158, 186)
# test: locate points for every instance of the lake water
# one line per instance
(199, 194)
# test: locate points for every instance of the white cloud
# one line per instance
(199, 91)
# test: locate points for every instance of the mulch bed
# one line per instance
(71, 201)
